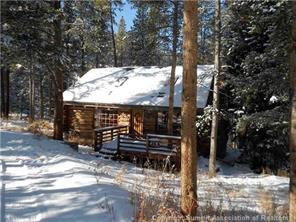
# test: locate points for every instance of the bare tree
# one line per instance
(293, 122)
(215, 112)
(173, 70)
(188, 129)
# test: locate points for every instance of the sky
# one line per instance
(128, 13)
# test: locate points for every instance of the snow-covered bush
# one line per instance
(256, 48)
(203, 123)
(203, 127)
(264, 138)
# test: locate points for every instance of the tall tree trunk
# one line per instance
(188, 129)
(58, 111)
(113, 36)
(7, 79)
(20, 105)
(293, 122)
(215, 112)
(5, 82)
(2, 91)
(97, 60)
(58, 77)
(202, 46)
(50, 113)
(41, 99)
(121, 55)
(32, 96)
(82, 56)
(173, 70)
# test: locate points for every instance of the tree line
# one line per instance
(41, 39)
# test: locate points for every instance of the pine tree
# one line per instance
(32, 95)
(292, 215)
(84, 47)
(121, 40)
(140, 48)
(148, 33)
(112, 33)
(188, 131)
(102, 37)
(41, 96)
(27, 40)
(2, 91)
(173, 70)
(206, 32)
(256, 46)
(58, 74)
(215, 112)
(5, 91)
(18, 43)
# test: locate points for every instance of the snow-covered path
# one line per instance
(45, 180)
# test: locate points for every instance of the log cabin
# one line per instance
(135, 97)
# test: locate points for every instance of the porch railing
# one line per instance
(163, 144)
(153, 147)
(106, 134)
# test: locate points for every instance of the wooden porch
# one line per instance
(116, 141)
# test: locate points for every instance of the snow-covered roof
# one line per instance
(146, 86)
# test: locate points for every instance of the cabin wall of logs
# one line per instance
(79, 124)
(81, 121)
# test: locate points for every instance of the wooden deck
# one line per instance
(153, 146)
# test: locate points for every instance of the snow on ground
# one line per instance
(13, 124)
(240, 189)
(46, 180)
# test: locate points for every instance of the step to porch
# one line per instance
(105, 153)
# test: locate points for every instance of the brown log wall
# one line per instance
(150, 122)
(79, 123)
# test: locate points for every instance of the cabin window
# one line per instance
(106, 118)
(162, 122)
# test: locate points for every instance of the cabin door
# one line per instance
(138, 117)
